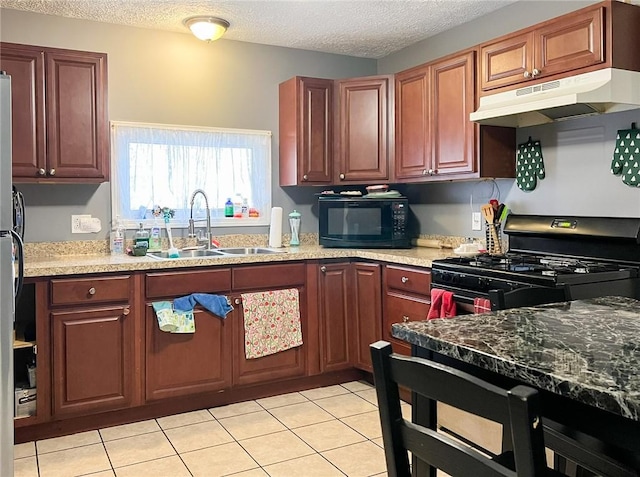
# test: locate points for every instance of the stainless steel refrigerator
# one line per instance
(10, 279)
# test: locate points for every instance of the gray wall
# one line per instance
(173, 78)
(170, 78)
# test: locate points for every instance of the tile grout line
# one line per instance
(174, 447)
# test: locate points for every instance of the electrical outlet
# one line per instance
(476, 221)
(76, 223)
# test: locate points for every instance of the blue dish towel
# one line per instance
(217, 304)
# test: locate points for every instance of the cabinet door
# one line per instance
(184, 364)
(77, 129)
(364, 139)
(284, 364)
(573, 42)
(93, 365)
(413, 145)
(306, 131)
(452, 101)
(402, 309)
(335, 287)
(26, 67)
(367, 316)
(506, 62)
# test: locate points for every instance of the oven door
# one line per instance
(464, 299)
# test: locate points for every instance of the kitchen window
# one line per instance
(161, 165)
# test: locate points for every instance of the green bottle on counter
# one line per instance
(228, 208)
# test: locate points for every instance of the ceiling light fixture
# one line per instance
(206, 28)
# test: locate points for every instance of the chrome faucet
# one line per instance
(192, 224)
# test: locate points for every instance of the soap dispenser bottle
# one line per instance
(294, 222)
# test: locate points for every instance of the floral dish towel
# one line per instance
(271, 322)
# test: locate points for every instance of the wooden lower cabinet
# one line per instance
(367, 312)
(180, 364)
(335, 287)
(407, 298)
(284, 364)
(350, 314)
(93, 360)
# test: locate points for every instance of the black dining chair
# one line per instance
(528, 296)
(516, 409)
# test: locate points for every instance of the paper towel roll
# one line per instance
(275, 230)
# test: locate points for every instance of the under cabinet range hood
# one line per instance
(607, 90)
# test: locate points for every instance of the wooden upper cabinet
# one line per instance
(571, 43)
(364, 125)
(507, 61)
(551, 49)
(306, 131)
(413, 141)
(452, 101)
(59, 114)
(77, 129)
(434, 138)
(26, 67)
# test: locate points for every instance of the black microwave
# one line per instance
(360, 222)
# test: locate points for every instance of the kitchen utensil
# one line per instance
(503, 214)
(498, 216)
(488, 213)
(429, 243)
(494, 204)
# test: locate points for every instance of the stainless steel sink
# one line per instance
(187, 254)
(220, 252)
(249, 251)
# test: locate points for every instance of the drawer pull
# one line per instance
(405, 318)
(237, 301)
(41, 172)
(52, 172)
(92, 291)
(404, 279)
(126, 311)
(323, 269)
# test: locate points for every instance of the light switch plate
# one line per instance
(476, 221)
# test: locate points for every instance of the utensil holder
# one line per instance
(492, 235)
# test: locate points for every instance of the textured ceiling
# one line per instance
(363, 28)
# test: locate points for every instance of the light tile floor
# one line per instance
(329, 431)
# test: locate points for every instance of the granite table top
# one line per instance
(586, 350)
(65, 264)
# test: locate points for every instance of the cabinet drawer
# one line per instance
(410, 280)
(80, 291)
(265, 277)
(400, 309)
(169, 284)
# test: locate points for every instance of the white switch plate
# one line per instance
(476, 221)
(76, 224)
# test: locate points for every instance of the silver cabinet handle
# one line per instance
(41, 172)
(323, 269)
(237, 301)
(526, 74)
(305, 177)
(52, 172)
(405, 318)
(425, 172)
(404, 279)
(341, 177)
(535, 72)
(126, 311)
(92, 291)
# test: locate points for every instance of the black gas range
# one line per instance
(594, 256)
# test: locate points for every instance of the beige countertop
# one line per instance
(56, 265)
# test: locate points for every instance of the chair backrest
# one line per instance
(516, 409)
(528, 296)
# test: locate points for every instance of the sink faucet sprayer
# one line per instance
(191, 223)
